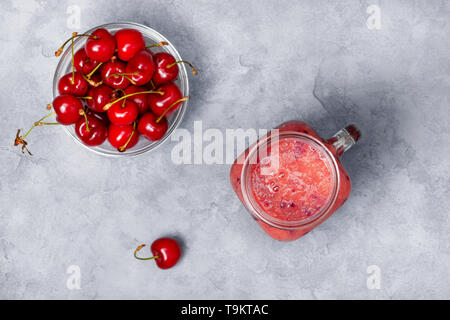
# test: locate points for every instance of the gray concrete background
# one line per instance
(260, 63)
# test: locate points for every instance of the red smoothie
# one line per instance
(300, 187)
(306, 186)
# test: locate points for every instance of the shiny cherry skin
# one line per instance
(119, 135)
(140, 99)
(123, 112)
(166, 251)
(83, 63)
(142, 64)
(100, 95)
(149, 128)
(102, 47)
(129, 42)
(164, 74)
(114, 67)
(78, 88)
(159, 103)
(97, 134)
(67, 109)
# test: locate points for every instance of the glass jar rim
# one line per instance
(255, 208)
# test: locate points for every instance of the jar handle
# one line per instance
(345, 138)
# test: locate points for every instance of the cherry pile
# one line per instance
(118, 90)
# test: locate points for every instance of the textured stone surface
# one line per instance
(260, 63)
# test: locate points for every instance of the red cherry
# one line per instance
(166, 68)
(123, 112)
(100, 97)
(142, 67)
(140, 99)
(151, 128)
(94, 134)
(163, 74)
(166, 252)
(167, 101)
(117, 81)
(68, 109)
(129, 42)
(101, 45)
(82, 63)
(78, 87)
(122, 137)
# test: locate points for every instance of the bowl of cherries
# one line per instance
(119, 89)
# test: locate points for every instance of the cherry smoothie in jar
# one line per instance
(292, 180)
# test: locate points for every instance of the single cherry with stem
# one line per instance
(123, 113)
(129, 42)
(122, 137)
(151, 127)
(68, 109)
(167, 102)
(142, 66)
(74, 35)
(113, 73)
(83, 63)
(101, 45)
(166, 69)
(92, 131)
(73, 84)
(165, 251)
(101, 96)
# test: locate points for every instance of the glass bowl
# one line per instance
(151, 37)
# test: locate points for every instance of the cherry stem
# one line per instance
(159, 44)
(37, 124)
(73, 65)
(124, 147)
(87, 98)
(194, 71)
(165, 111)
(93, 71)
(74, 35)
(83, 113)
(153, 85)
(139, 258)
(108, 105)
(21, 139)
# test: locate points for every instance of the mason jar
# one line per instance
(292, 180)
